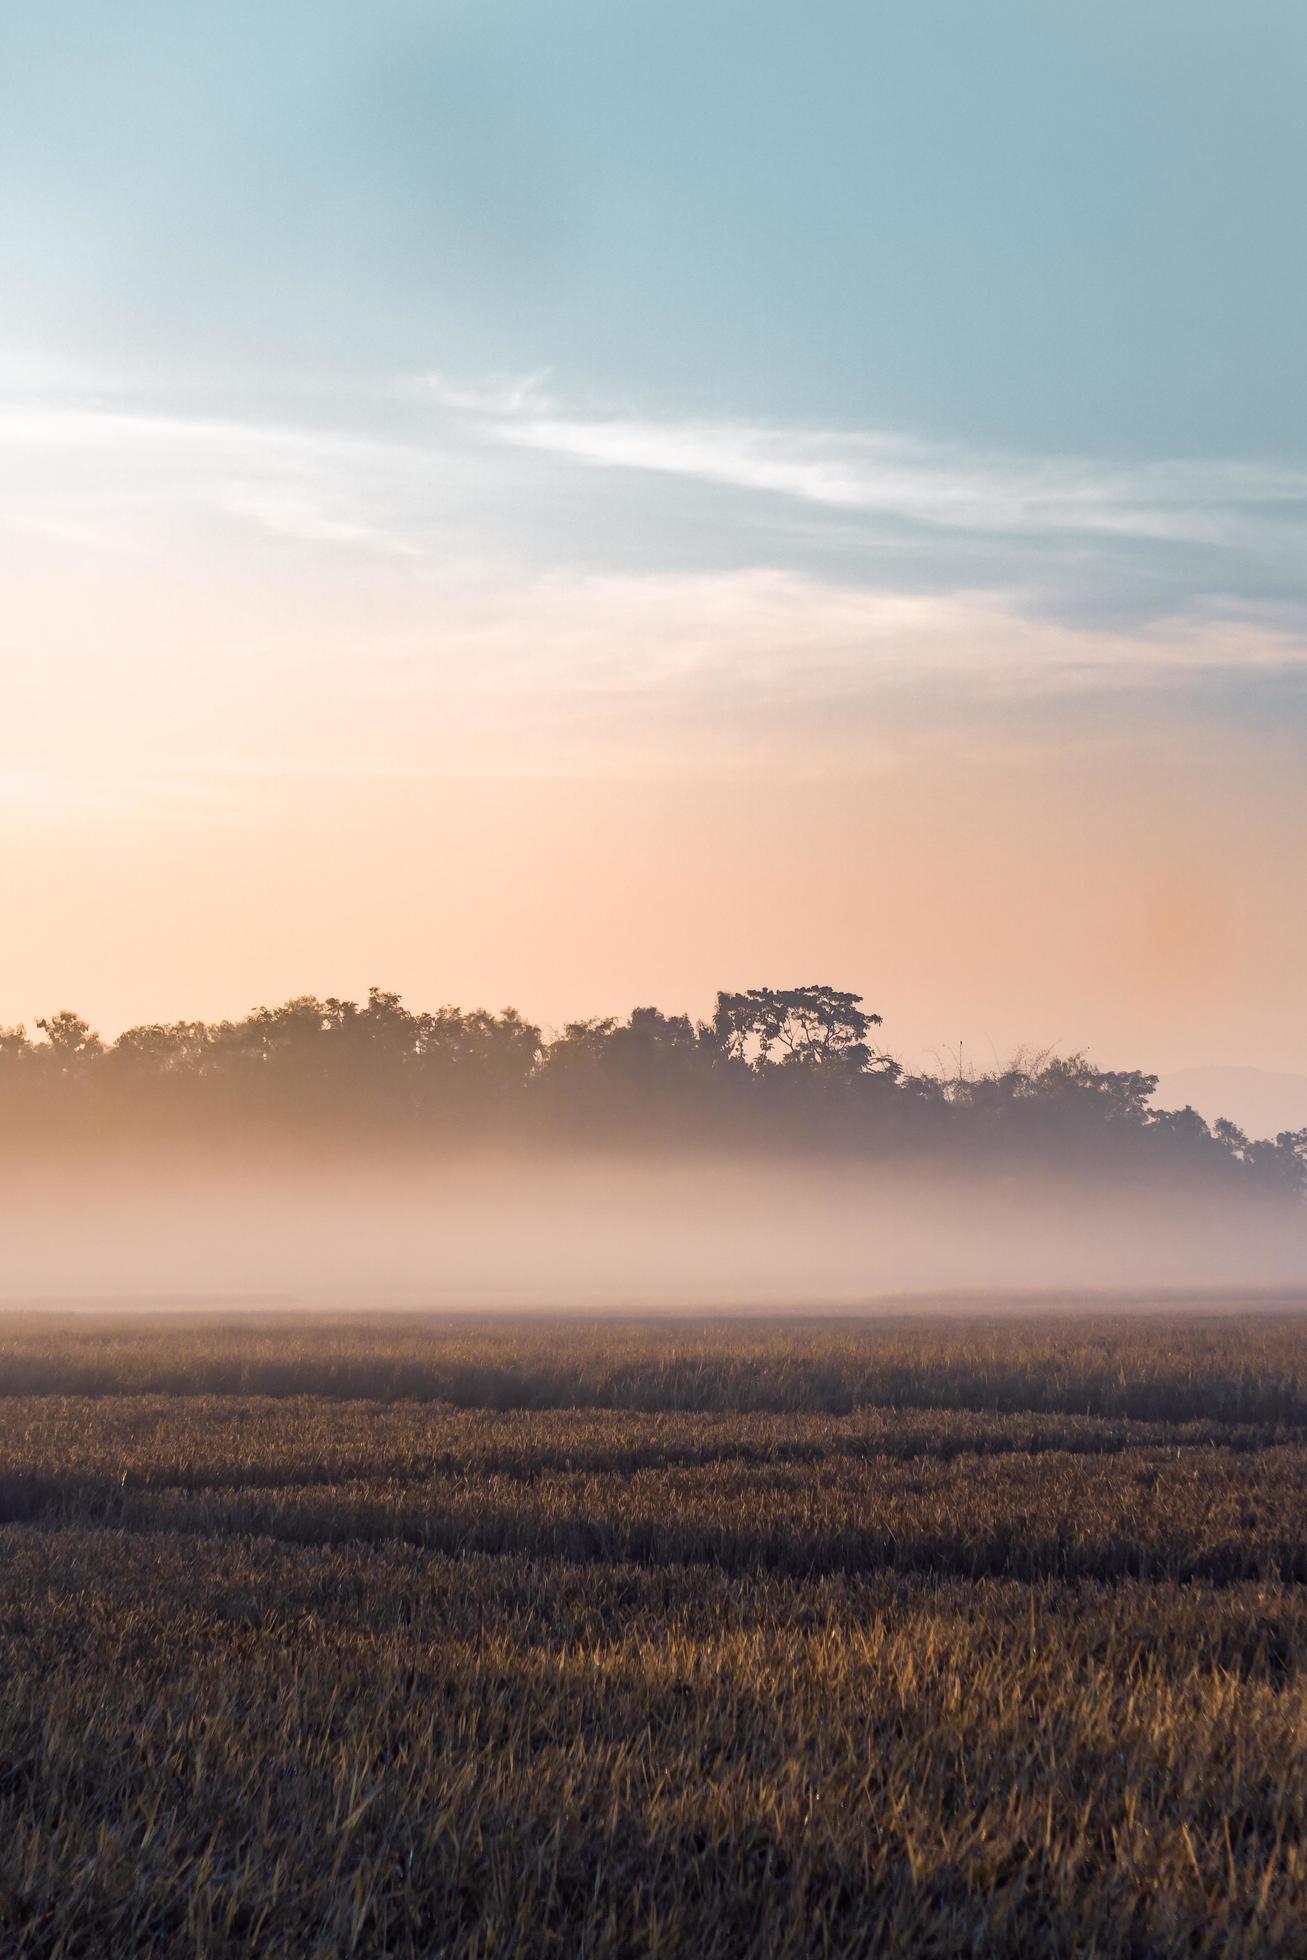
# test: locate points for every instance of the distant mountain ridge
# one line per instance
(1261, 1101)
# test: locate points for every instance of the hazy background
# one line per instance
(592, 503)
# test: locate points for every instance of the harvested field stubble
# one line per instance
(309, 1671)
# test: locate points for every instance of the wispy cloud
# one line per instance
(310, 516)
(506, 575)
(505, 394)
(516, 471)
(738, 671)
(724, 675)
(109, 478)
(875, 473)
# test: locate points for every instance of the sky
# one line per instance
(577, 505)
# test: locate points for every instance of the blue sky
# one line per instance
(1043, 227)
(605, 392)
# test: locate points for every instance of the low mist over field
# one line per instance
(771, 1154)
(589, 1229)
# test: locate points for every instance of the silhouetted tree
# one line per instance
(69, 1039)
(799, 1027)
(790, 1069)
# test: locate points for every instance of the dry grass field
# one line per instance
(387, 1635)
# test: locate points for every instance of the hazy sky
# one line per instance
(577, 504)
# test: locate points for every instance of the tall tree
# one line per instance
(800, 1027)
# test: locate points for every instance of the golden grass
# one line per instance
(311, 1673)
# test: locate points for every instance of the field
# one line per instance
(578, 1636)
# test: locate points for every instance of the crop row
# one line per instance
(1152, 1367)
(1151, 1513)
(58, 1444)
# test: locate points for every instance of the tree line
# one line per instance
(775, 1069)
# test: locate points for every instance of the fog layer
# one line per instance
(583, 1230)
